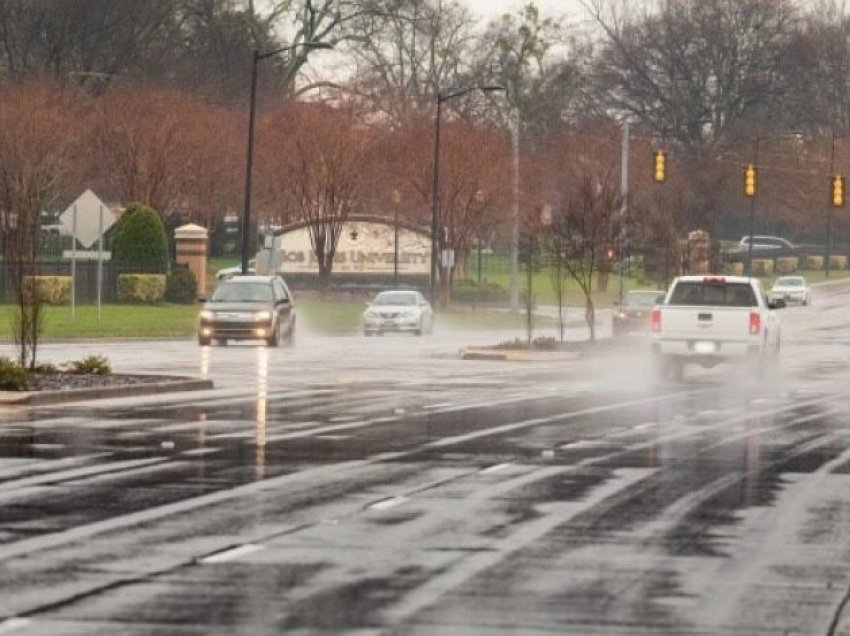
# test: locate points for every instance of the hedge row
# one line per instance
(54, 290)
(788, 264)
(141, 288)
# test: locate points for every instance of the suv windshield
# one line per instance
(789, 282)
(238, 292)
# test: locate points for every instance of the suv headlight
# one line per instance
(262, 316)
(207, 314)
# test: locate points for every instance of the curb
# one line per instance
(33, 398)
(508, 355)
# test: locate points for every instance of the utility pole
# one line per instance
(514, 248)
(624, 205)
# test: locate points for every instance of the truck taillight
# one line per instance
(655, 319)
(755, 323)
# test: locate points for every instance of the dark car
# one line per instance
(634, 313)
(248, 308)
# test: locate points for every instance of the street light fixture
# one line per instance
(246, 216)
(435, 193)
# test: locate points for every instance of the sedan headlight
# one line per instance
(207, 314)
(262, 316)
(410, 313)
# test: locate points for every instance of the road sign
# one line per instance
(448, 258)
(93, 218)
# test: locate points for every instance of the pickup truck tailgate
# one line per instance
(709, 323)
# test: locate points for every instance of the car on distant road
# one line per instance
(765, 243)
(633, 314)
(248, 308)
(791, 289)
(398, 310)
(236, 270)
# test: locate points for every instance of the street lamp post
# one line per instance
(435, 192)
(396, 199)
(246, 215)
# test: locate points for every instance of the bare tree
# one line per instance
(584, 185)
(316, 161)
(36, 133)
(695, 70)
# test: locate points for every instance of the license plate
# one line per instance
(704, 347)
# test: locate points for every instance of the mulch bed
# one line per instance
(68, 381)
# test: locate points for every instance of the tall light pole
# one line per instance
(396, 196)
(246, 215)
(435, 191)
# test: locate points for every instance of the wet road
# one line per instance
(383, 486)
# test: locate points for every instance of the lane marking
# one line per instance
(496, 468)
(12, 624)
(385, 504)
(232, 554)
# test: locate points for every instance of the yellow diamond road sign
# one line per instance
(91, 218)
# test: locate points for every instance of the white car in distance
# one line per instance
(236, 270)
(397, 310)
(791, 289)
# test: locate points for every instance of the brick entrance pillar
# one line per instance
(191, 242)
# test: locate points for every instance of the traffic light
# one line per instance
(750, 179)
(837, 182)
(659, 170)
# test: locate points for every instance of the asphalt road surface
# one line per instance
(384, 486)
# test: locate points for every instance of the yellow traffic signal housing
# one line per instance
(837, 182)
(750, 180)
(659, 171)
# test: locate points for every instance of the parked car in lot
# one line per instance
(398, 310)
(248, 308)
(236, 270)
(633, 314)
(791, 289)
(765, 243)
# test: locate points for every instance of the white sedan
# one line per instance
(398, 310)
(791, 289)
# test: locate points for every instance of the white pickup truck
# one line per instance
(709, 319)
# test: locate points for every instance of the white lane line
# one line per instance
(232, 554)
(78, 473)
(44, 465)
(385, 504)
(495, 468)
(12, 624)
